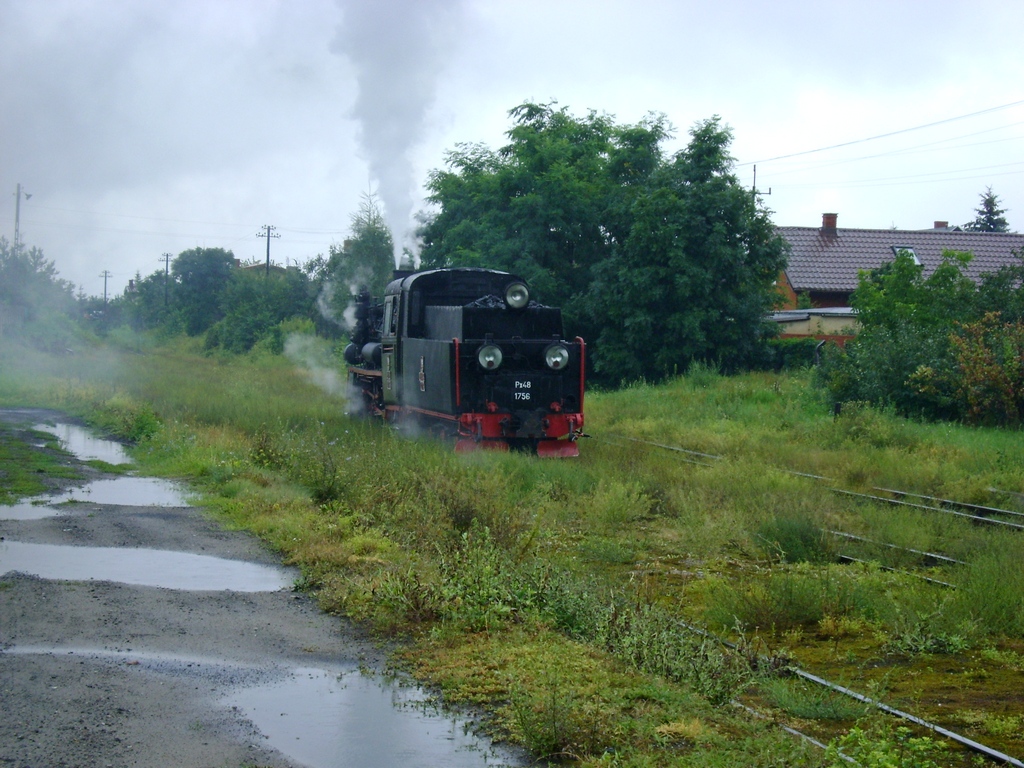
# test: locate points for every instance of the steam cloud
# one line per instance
(311, 355)
(397, 48)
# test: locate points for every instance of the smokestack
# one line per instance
(828, 223)
(942, 225)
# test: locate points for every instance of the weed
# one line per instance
(880, 744)
(795, 540)
(811, 702)
(554, 723)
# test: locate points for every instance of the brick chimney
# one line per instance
(828, 223)
(941, 225)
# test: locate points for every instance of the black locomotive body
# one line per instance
(467, 353)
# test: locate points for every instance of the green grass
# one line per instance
(24, 467)
(497, 567)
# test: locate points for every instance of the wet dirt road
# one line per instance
(143, 655)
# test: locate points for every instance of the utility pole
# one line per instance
(166, 258)
(17, 214)
(754, 191)
(105, 274)
(268, 232)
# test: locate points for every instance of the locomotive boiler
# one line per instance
(466, 353)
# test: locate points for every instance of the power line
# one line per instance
(885, 135)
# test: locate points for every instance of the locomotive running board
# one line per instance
(558, 449)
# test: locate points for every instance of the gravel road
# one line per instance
(107, 673)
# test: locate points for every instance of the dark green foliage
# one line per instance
(989, 216)
(656, 262)
(152, 304)
(693, 279)
(937, 347)
(254, 304)
(787, 354)
(201, 275)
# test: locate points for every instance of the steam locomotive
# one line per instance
(466, 353)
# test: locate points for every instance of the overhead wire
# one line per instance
(884, 135)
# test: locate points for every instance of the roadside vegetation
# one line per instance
(559, 594)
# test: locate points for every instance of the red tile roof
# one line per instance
(829, 260)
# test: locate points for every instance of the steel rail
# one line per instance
(898, 503)
(667, 447)
(952, 735)
(980, 509)
(971, 744)
(939, 559)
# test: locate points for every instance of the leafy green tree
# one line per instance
(549, 205)
(658, 262)
(940, 347)
(254, 304)
(151, 305)
(693, 278)
(201, 275)
(365, 260)
(35, 303)
(989, 216)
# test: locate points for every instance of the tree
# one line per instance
(34, 301)
(548, 206)
(693, 279)
(989, 216)
(365, 260)
(656, 262)
(201, 275)
(151, 304)
(254, 304)
(940, 347)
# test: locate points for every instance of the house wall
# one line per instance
(785, 289)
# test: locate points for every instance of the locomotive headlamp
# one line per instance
(489, 356)
(517, 295)
(556, 356)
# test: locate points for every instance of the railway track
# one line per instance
(946, 733)
(974, 513)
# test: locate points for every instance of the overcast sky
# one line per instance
(144, 127)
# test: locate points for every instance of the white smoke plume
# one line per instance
(313, 356)
(397, 48)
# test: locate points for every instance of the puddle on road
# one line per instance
(127, 491)
(325, 720)
(26, 510)
(121, 491)
(145, 567)
(85, 446)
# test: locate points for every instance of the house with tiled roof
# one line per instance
(824, 264)
(824, 261)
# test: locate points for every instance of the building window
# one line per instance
(896, 252)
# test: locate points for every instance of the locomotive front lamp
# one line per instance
(556, 356)
(517, 295)
(489, 356)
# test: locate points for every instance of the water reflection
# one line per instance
(85, 446)
(146, 567)
(323, 720)
(127, 491)
(27, 510)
